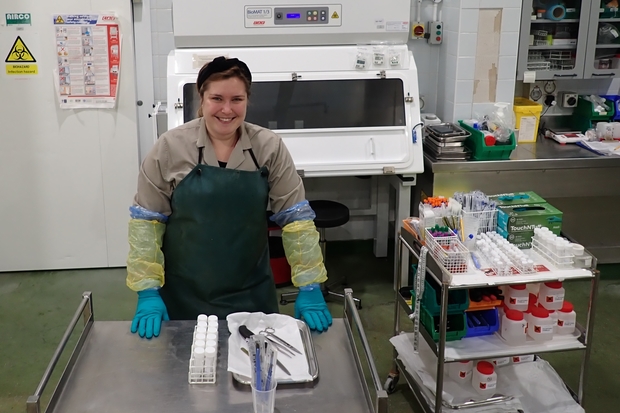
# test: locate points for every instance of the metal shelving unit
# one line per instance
(485, 347)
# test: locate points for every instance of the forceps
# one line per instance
(269, 334)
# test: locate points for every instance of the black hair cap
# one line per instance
(221, 64)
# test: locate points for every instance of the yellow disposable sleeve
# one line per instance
(301, 247)
(145, 263)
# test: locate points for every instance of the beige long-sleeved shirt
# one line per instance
(175, 154)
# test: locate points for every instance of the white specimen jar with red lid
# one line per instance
(567, 319)
(516, 297)
(460, 371)
(540, 324)
(551, 295)
(484, 379)
(513, 327)
(554, 318)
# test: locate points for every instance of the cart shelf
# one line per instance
(492, 346)
(476, 278)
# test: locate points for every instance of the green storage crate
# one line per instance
(584, 117)
(481, 152)
(457, 325)
(458, 300)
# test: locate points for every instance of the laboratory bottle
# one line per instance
(200, 336)
(211, 343)
(513, 327)
(460, 371)
(540, 325)
(198, 360)
(554, 317)
(523, 358)
(212, 319)
(210, 361)
(211, 330)
(551, 295)
(202, 324)
(516, 297)
(577, 250)
(567, 319)
(533, 288)
(201, 317)
(499, 362)
(211, 336)
(484, 379)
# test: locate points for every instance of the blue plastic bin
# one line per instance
(482, 323)
(616, 100)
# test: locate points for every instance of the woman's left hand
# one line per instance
(310, 305)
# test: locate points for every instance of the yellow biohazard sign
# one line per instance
(19, 53)
(59, 20)
(20, 60)
(335, 15)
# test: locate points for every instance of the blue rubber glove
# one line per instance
(310, 305)
(149, 313)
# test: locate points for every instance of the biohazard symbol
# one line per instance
(59, 20)
(335, 15)
(20, 53)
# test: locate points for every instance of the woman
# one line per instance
(201, 201)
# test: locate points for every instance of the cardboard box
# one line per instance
(526, 217)
(518, 198)
(523, 240)
(516, 223)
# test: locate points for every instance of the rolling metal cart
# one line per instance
(478, 348)
(112, 370)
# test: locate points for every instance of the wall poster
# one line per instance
(88, 48)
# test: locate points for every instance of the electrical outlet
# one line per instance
(417, 30)
(569, 99)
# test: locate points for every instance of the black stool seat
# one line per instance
(329, 214)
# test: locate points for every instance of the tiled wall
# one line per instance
(479, 59)
(162, 43)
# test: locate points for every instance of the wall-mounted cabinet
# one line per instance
(569, 39)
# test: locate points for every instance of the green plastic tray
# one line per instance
(481, 152)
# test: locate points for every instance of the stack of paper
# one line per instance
(606, 148)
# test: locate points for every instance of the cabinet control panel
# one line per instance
(278, 16)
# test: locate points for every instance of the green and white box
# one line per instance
(518, 198)
(516, 223)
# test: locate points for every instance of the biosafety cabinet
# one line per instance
(335, 81)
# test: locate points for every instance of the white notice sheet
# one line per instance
(89, 58)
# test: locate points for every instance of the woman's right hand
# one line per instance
(150, 312)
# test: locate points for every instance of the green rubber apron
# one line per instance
(215, 245)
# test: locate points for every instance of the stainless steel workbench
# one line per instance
(118, 372)
(567, 176)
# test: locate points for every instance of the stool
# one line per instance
(329, 214)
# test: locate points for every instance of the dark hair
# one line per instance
(203, 81)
